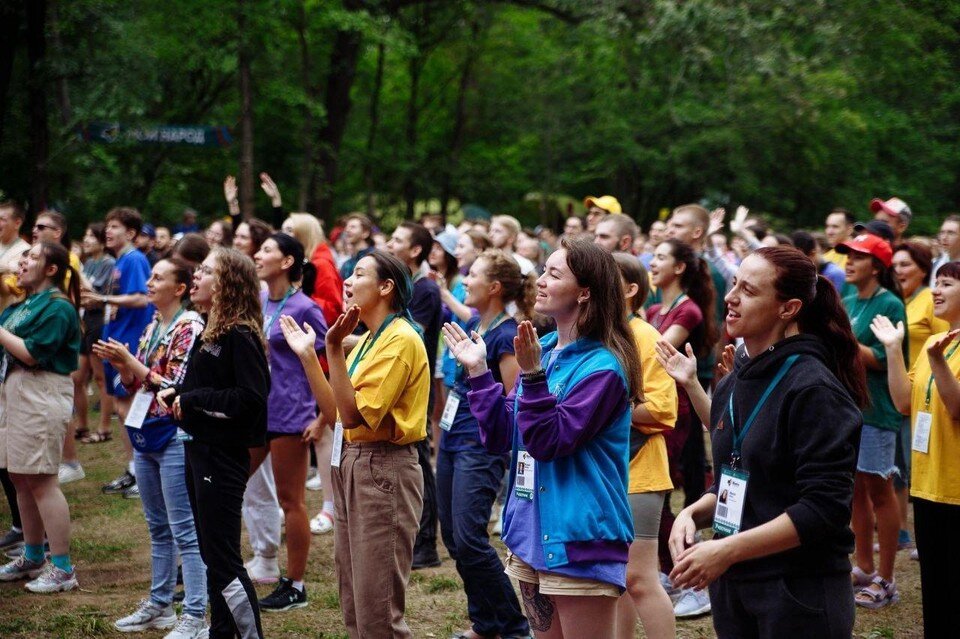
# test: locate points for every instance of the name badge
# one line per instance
(921, 432)
(450, 411)
(337, 447)
(183, 436)
(731, 496)
(523, 479)
(138, 409)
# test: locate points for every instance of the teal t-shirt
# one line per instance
(881, 413)
(49, 326)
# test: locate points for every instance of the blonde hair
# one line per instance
(307, 231)
(509, 222)
(500, 267)
(236, 296)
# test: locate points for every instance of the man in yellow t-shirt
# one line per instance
(838, 228)
(12, 247)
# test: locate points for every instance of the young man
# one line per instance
(12, 247)
(127, 313)
(894, 212)
(615, 233)
(949, 240)
(145, 243)
(357, 235)
(598, 207)
(504, 230)
(411, 244)
(838, 228)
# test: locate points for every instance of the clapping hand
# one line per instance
(114, 352)
(527, 347)
(889, 335)
(935, 350)
(469, 350)
(300, 340)
(725, 365)
(682, 368)
(344, 326)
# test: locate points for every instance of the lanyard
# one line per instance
(930, 381)
(863, 309)
(661, 317)
(368, 343)
(631, 317)
(739, 435)
(497, 321)
(276, 314)
(152, 344)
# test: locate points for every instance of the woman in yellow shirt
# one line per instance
(930, 392)
(381, 395)
(649, 482)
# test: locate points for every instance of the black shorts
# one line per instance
(92, 332)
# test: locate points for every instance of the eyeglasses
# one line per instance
(45, 227)
(203, 269)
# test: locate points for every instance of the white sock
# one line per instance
(298, 585)
(131, 469)
(328, 507)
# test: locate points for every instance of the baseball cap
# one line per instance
(148, 230)
(447, 240)
(877, 227)
(869, 244)
(894, 206)
(608, 203)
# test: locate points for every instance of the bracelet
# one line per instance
(539, 375)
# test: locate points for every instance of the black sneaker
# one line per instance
(12, 539)
(425, 559)
(120, 484)
(284, 597)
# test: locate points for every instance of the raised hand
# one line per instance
(300, 340)
(345, 325)
(230, 189)
(682, 368)
(527, 347)
(270, 188)
(889, 335)
(469, 350)
(725, 365)
(936, 348)
(739, 219)
(716, 220)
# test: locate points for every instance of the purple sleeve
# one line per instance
(493, 412)
(550, 429)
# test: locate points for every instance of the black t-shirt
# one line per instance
(426, 310)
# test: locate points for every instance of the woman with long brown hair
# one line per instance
(567, 522)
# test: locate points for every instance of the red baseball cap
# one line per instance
(869, 244)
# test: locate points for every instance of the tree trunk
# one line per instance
(37, 103)
(372, 133)
(246, 182)
(10, 19)
(458, 135)
(63, 91)
(309, 121)
(413, 117)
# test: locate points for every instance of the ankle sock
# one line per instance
(33, 552)
(72, 464)
(62, 562)
(131, 469)
(298, 585)
(328, 507)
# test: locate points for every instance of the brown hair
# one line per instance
(16, 211)
(236, 296)
(128, 216)
(259, 232)
(697, 283)
(60, 221)
(182, 274)
(602, 317)
(633, 272)
(920, 254)
(55, 254)
(701, 216)
(192, 247)
(502, 268)
(481, 241)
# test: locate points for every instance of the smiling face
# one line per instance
(907, 272)
(479, 287)
(946, 299)
(271, 262)
(860, 270)
(162, 287)
(664, 268)
(558, 293)
(204, 283)
(753, 309)
(242, 241)
(363, 288)
(214, 234)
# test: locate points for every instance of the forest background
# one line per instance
(516, 106)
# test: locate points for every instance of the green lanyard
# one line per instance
(276, 314)
(157, 336)
(739, 435)
(368, 343)
(497, 321)
(866, 304)
(930, 381)
(631, 317)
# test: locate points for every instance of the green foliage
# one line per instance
(790, 107)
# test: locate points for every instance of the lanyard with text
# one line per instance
(661, 317)
(276, 314)
(930, 381)
(159, 335)
(741, 433)
(924, 420)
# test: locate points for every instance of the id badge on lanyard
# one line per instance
(921, 432)
(731, 496)
(524, 475)
(450, 411)
(139, 409)
(337, 447)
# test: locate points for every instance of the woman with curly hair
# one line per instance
(222, 406)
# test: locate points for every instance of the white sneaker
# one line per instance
(68, 473)
(314, 482)
(263, 570)
(147, 616)
(692, 603)
(322, 523)
(53, 579)
(189, 627)
(672, 591)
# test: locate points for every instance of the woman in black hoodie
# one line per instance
(222, 406)
(785, 426)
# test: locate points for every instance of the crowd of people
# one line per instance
(551, 386)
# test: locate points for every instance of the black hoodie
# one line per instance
(801, 453)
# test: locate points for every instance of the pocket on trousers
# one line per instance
(383, 473)
(804, 593)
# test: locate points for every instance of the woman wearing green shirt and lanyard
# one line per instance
(40, 338)
(877, 293)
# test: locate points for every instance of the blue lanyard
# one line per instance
(276, 314)
(368, 343)
(739, 435)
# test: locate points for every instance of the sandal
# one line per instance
(860, 578)
(868, 597)
(97, 438)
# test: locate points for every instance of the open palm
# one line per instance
(470, 351)
(682, 368)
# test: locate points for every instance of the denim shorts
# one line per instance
(878, 449)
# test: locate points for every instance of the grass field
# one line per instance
(111, 549)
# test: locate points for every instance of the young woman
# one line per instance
(912, 265)
(161, 362)
(250, 234)
(869, 259)
(684, 316)
(292, 420)
(468, 476)
(567, 521)
(470, 244)
(649, 468)
(219, 234)
(98, 269)
(778, 563)
(40, 338)
(222, 406)
(930, 392)
(381, 397)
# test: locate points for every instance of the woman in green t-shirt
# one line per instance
(40, 339)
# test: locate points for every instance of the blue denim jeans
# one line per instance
(467, 485)
(166, 506)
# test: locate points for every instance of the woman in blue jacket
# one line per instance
(567, 522)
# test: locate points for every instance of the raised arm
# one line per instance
(947, 384)
(302, 342)
(892, 339)
(683, 368)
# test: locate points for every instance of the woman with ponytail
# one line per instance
(468, 476)
(292, 419)
(40, 341)
(785, 425)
